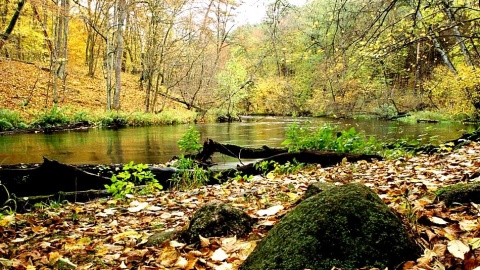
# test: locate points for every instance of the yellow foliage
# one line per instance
(271, 96)
(455, 93)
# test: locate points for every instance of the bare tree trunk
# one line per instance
(108, 63)
(121, 13)
(416, 82)
(456, 31)
(4, 36)
(433, 37)
(60, 55)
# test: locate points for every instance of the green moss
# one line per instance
(160, 237)
(346, 227)
(459, 193)
(316, 188)
(216, 220)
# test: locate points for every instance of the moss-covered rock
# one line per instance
(459, 193)
(314, 189)
(217, 219)
(160, 237)
(346, 227)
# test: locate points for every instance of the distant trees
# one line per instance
(331, 57)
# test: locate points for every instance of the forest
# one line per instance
(153, 62)
(338, 58)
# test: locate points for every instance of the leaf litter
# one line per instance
(111, 234)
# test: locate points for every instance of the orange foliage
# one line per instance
(22, 82)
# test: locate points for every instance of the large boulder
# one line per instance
(216, 220)
(459, 193)
(346, 227)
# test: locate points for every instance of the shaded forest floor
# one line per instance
(112, 234)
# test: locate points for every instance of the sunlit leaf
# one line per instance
(457, 248)
(474, 243)
(270, 211)
(219, 255)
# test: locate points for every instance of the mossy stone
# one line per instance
(346, 227)
(459, 193)
(217, 220)
(316, 188)
(160, 237)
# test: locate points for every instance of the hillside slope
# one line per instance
(24, 87)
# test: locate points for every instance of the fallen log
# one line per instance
(48, 178)
(210, 147)
(53, 177)
(427, 121)
(323, 158)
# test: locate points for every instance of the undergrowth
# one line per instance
(133, 175)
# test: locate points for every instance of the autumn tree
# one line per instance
(11, 25)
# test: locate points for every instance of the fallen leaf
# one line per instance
(138, 207)
(457, 248)
(129, 234)
(181, 262)
(224, 266)
(426, 258)
(438, 221)
(204, 242)
(474, 243)
(270, 211)
(219, 255)
(7, 220)
(468, 225)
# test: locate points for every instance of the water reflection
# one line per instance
(159, 144)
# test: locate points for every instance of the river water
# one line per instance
(159, 144)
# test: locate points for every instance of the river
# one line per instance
(159, 144)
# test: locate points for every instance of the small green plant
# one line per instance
(190, 175)
(287, 168)
(267, 167)
(239, 177)
(132, 175)
(264, 166)
(190, 141)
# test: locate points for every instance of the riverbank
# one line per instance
(109, 233)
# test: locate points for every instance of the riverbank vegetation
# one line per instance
(330, 58)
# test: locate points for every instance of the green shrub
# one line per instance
(5, 125)
(329, 138)
(133, 175)
(10, 120)
(113, 119)
(52, 118)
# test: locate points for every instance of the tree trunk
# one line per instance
(456, 31)
(6, 34)
(121, 11)
(60, 55)
(433, 37)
